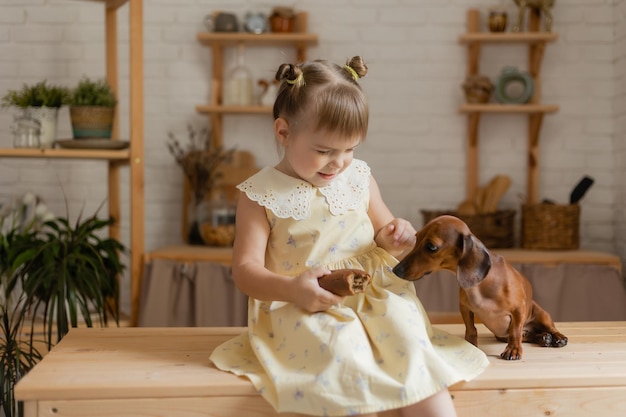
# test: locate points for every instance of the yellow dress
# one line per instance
(376, 351)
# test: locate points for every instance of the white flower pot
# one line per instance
(47, 116)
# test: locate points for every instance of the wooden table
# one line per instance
(166, 372)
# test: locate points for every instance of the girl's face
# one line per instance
(315, 157)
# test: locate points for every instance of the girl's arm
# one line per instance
(395, 235)
(255, 280)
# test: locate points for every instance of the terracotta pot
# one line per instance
(280, 23)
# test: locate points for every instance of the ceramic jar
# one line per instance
(497, 20)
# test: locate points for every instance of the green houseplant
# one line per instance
(40, 94)
(52, 272)
(92, 109)
(40, 101)
(17, 357)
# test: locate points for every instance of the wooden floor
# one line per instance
(166, 372)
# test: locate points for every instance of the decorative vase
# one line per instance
(92, 121)
(47, 117)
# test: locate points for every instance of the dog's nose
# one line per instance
(399, 270)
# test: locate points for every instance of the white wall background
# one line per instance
(416, 144)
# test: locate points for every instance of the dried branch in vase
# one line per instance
(200, 160)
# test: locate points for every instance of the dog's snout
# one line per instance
(399, 270)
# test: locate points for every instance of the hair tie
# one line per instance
(352, 72)
(295, 80)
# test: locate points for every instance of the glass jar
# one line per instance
(213, 223)
(238, 89)
(26, 132)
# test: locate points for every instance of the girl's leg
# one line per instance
(439, 405)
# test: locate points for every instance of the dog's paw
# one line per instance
(512, 353)
(544, 339)
(559, 340)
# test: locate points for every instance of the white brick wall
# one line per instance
(416, 144)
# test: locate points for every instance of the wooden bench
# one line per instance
(166, 372)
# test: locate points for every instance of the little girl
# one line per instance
(307, 350)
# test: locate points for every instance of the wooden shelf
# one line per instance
(99, 154)
(508, 37)
(300, 39)
(190, 253)
(536, 42)
(252, 39)
(110, 4)
(133, 156)
(508, 108)
(218, 109)
(556, 257)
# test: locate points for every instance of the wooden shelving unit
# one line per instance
(218, 41)
(115, 159)
(300, 39)
(534, 110)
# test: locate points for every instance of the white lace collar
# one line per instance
(288, 197)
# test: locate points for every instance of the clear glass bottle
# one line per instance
(238, 89)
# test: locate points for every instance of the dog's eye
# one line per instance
(431, 248)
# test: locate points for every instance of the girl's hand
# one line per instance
(309, 296)
(397, 237)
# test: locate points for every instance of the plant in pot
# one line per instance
(55, 274)
(92, 109)
(40, 101)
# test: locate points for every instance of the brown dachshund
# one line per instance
(490, 287)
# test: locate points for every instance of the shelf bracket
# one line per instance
(535, 121)
(473, 120)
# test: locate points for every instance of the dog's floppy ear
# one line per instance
(474, 262)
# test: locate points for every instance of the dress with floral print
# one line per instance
(377, 350)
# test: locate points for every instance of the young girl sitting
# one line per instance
(307, 350)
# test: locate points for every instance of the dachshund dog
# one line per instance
(490, 287)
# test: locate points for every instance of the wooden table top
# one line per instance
(174, 362)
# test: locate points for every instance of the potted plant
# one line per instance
(40, 101)
(92, 109)
(52, 272)
(17, 356)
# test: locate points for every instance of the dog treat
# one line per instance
(345, 282)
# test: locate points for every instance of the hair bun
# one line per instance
(358, 65)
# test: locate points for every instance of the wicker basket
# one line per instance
(550, 226)
(495, 230)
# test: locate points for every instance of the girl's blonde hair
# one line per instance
(325, 94)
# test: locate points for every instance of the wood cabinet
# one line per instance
(534, 110)
(115, 159)
(218, 41)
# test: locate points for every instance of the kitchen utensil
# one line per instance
(580, 189)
